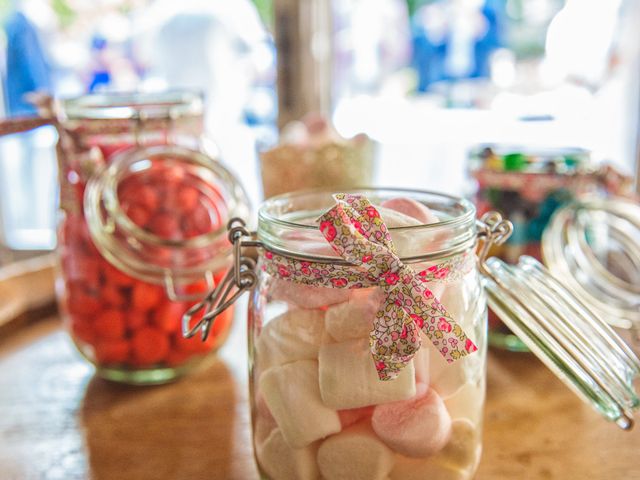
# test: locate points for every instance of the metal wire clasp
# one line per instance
(239, 279)
(492, 230)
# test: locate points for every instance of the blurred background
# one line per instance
(426, 80)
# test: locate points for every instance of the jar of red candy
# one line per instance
(367, 334)
(142, 232)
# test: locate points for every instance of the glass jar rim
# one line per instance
(461, 224)
(133, 105)
(568, 251)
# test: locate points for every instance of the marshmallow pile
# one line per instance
(320, 410)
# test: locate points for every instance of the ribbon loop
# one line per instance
(358, 234)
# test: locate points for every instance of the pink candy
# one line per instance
(353, 415)
(417, 427)
(411, 208)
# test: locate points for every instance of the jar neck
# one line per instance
(287, 225)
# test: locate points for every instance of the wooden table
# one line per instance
(59, 422)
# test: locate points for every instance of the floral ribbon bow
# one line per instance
(356, 232)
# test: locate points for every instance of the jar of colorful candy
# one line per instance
(367, 334)
(527, 185)
(141, 233)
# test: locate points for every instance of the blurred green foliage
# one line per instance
(265, 9)
(66, 14)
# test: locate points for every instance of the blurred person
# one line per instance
(217, 47)
(27, 160)
(27, 67)
(454, 39)
(202, 45)
(100, 72)
(372, 41)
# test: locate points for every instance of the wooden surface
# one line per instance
(26, 288)
(57, 421)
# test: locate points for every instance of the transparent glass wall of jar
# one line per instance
(318, 407)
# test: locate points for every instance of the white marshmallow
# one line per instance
(262, 428)
(446, 378)
(294, 335)
(292, 394)
(263, 421)
(395, 219)
(463, 449)
(355, 454)
(456, 461)
(348, 377)
(354, 318)
(306, 296)
(421, 363)
(282, 462)
(467, 402)
(461, 298)
(432, 468)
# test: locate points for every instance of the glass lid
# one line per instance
(560, 329)
(138, 105)
(160, 213)
(594, 246)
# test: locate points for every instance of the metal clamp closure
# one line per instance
(492, 230)
(239, 279)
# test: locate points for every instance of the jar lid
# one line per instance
(160, 214)
(133, 106)
(594, 246)
(563, 332)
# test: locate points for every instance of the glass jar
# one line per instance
(527, 185)
(141, 232)
(367, 333)
(312, 372)
(311, 154)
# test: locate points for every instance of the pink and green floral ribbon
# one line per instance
(357, 233)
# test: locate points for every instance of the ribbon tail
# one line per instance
(394, 340)
(446, 335)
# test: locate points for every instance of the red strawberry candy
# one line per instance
(149, 346)
(112, 351)
(145, 296)
(110, 324)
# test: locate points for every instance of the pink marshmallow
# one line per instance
(417, 427)
(351, 416)
(305, 296)
(411, 208)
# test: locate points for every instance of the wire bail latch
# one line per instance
(239, 279)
